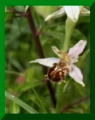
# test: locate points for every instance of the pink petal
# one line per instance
(77, 49)
(76, 74)
(46, 62)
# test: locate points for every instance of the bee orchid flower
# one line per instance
(60, 67)
(72, 12)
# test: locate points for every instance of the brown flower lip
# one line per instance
(58, 72)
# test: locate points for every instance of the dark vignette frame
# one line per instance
(2, 59)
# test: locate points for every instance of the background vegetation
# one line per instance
(25, 81)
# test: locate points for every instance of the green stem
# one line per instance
(69, 29)
(59, 97)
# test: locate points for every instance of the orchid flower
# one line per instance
(72, 55)
(71, 11)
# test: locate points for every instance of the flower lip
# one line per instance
(59, 71)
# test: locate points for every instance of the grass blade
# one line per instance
(20, 103)
(40, 101)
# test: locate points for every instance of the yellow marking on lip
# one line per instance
(60, 73)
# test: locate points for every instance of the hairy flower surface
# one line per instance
(60, 67)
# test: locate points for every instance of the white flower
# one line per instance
(71, 11)
(73, 54)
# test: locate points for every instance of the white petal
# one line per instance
(55, 50)
(77, 49)
(76, 74)
(56, 14)
(46, 62)
(72, 12)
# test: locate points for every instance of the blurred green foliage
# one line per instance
(24, 80)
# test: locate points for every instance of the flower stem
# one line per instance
(29, 18)
(59, 97)
(75, 103)
(69, 29)
(40, 51)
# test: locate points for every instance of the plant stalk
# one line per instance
(69, 29)
(40, 51)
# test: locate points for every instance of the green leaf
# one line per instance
(82, 58)
(8, 16)
(77, 35)
(29, 75)
(13, 72)
(45, 10)
(20, 103)
(14, 108)
(35, 101)
(56, 34)
(16, 64)
(65, 86)
(20, 8)
(28, 86)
